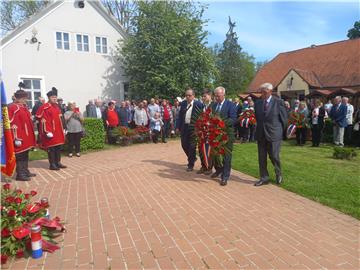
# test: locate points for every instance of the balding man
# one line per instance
(271, 117)
(188, 111)
(338, 116)
(227, 111)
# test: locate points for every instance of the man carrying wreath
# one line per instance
(227, 111)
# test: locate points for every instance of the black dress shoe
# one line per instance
(22, 178)
(215, 174)
(279, 179)
(223, 182)
(189, 169)
(59, 165)
(261, 182)
(201, 171)
(208, 172)
(53, 167)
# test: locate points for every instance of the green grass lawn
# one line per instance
(310, 172)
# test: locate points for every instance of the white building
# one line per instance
(67, 45)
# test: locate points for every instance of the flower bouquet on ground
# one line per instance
(144, 133)
(213, 134)
(247, 118)
(18, 215)
(296, 120)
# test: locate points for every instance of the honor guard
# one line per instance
(52, 135)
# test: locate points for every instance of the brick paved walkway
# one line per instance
(136, 207)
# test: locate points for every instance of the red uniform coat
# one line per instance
(22, 127)
(49, 116)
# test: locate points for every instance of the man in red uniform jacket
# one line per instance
(23, 133)
(51, 130)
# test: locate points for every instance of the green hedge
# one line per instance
(344, 153)
(95, 134)
(328, 132)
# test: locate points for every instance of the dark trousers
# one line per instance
(188, 145)
(22, 162)
(252, 133)
(301, 135)
(165, 130)
(74, 141)
(226, 167)
(110, 137)
(316, 135)
(348, 134)
(155, 135)
(273, 150)
(54, 155)
(245, 132)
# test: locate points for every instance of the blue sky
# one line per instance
(267, 28)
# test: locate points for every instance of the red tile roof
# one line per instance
(326, 66)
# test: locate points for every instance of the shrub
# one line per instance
(95, 134)
(344, 153)
(328, 131)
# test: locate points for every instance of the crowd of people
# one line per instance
(54, 120)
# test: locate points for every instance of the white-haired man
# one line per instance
(338, 116)
(227, 110)
(271, 120)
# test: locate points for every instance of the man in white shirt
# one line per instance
(349, 119)
(188, 109)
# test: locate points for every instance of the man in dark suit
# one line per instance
(227, 110)
(271, 117)
(91, 110)
(338, 116)
(189, 108)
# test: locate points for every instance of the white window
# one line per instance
(101, 45)
(33, 89)
(82, 43)
(62, 41)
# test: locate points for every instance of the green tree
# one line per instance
(355, 31)
(236, 68)
(167, 51)
(13, 13)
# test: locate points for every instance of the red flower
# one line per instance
(33, 193)
(12, 213)
(222, 151)
(20, 232)
(6, 187)
(5, 232)
(214, 144)
(20, 253)
(23, 213)
(18, 191)
(225, 137)
(33, 208)
(18, 200)
(221, 124)
(27, 196)
(3, 258)
(9, 199)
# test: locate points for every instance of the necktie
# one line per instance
(218, 107)
(266, 105)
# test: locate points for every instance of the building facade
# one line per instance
(68, 46)
(323, 70)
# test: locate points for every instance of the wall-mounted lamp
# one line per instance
(34, 38)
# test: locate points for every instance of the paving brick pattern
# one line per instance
(137, 207)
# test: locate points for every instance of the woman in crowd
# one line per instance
(175, 112)
(317, 121)
(73, 120)
(252, 127)
(111, 119)
(167, 118)
(357, 128)
(140, 116)
(302, 131)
